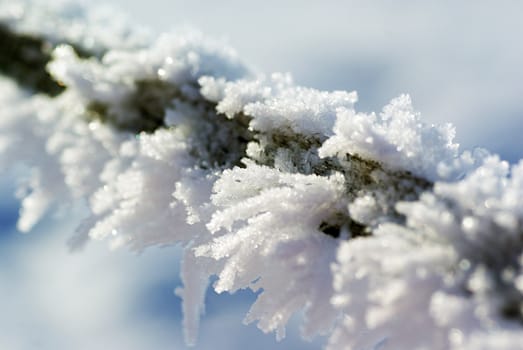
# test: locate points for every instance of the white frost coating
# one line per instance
(397, 137)
(92, 28)
(176, 59)
(273, 187)
(462, 251)
(256, 200)
(232, 97)
(507, 339)
(141, 211)
(484, 211)
(26, 125)
(380, 278)
(277, 104)
(195, 281)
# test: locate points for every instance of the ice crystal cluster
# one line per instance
(374, 227)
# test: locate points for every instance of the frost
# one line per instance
(383, 276)
(276, 103)
(133, 89)
(294, 246)
(461, 253)
(483, 218)
(348, 219)
(397, 138)
(94, 29)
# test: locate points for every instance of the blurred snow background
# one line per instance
(460, 62)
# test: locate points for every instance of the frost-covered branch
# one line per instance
(354, 219)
